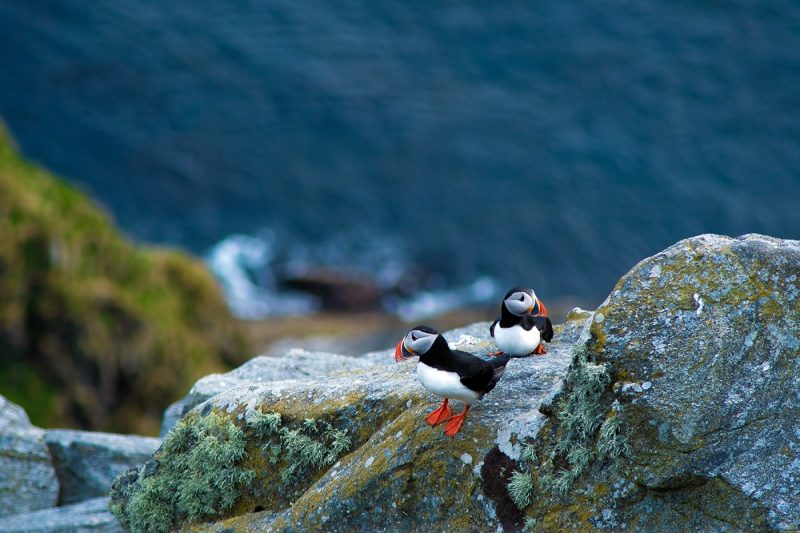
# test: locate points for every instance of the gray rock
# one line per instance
(382, 408)
(27, 477)
(294, 365)
(708, 335)
(91, 516)
(87, 462)
(673, 407)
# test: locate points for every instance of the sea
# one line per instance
(452, 148)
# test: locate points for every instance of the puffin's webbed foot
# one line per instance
(455, 422)
(442, 414)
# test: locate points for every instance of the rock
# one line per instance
(27, 477)
(700, 349)
(87, 462)
(673, 407)
(391, 473)
(710, 329)
(294, 365)
(337, 291)
(91, 516)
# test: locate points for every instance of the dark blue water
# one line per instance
(551, 144)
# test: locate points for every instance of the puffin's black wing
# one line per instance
(491, 328)
(544, 325)
(479, 375)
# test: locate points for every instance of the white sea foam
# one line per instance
(247, 268)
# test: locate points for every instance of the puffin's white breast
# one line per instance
(445, 384)
(515, 340)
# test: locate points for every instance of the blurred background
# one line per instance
(412, 159)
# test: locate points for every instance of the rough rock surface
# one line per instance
(405, 473)
(680, 393)
(27, 477)
(87, 462)
(294, 365)
(91, 516)
(708, 335)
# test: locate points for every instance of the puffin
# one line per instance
(450, 374)
(523, 324)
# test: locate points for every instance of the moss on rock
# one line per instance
(353, 451)
(94, 331)
(197, 474)
(699, 345)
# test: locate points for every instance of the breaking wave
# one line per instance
(253, 271)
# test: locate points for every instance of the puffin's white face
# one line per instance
(520, 303)
(419, 342)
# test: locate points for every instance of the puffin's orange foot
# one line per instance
(442, 414)
(494, 354)
(454, 424)
(540, 350)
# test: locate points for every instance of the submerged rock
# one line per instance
(91, 516)
(87, 462)
(27, 477)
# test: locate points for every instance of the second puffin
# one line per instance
(523, 324)
(449, 373)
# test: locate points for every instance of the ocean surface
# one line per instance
(468, 146)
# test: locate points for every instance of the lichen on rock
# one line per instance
(653, 413)
(391, 469)
(196, 474)
(701, 344)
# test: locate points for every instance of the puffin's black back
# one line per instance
(475, 373)
(542, 323)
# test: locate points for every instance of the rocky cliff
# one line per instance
(672, 407)
(88, 321)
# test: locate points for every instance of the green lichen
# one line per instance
(309, 447)
(196, 475)
(611, 443)
(520, 488)
(530, 523)
(587, 432)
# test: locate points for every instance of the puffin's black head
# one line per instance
(417, 342)
(519, 301)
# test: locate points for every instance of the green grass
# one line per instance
(114, 331)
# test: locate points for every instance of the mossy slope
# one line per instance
(96, 332)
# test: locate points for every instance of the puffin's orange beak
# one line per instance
(402, 353)
(398, 352)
